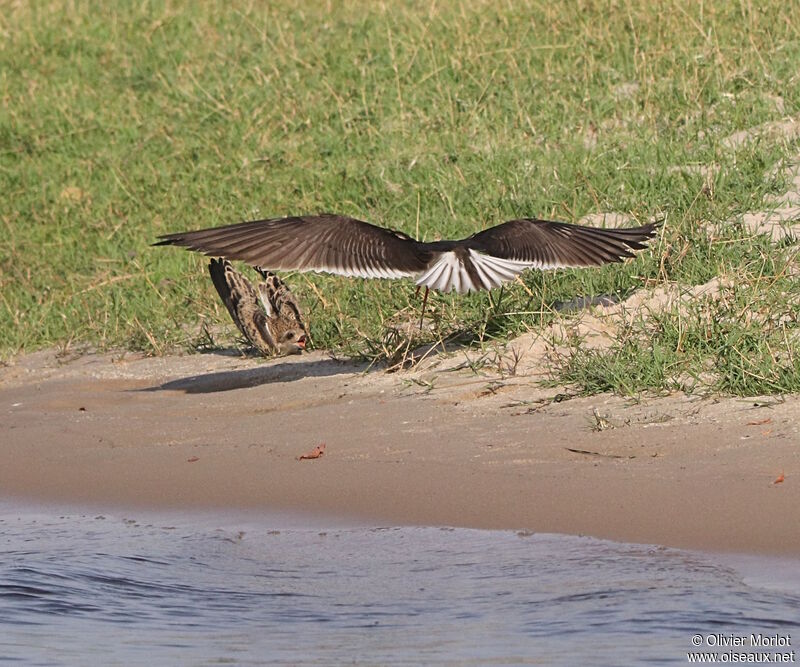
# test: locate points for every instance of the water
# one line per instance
(208, 590)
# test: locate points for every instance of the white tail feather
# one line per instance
(447, 273)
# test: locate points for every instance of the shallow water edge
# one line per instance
(244, 588)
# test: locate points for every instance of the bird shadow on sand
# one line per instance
(402, 355)
(271, 373)
(401, 352)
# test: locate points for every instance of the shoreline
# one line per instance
(438, 445)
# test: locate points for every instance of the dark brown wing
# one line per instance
(546, 244)
(279, 302)
(243, 304)
(330, 243)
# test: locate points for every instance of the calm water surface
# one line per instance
(190, 589)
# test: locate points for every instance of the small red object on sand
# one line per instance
(318, 451)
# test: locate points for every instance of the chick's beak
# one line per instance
(301, 342)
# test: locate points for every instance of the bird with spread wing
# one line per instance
(267, 314)
(346, 246)
(338, 244)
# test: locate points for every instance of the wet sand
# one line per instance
(444, 444)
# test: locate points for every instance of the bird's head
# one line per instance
(293, 341)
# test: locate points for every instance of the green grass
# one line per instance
(121, 121)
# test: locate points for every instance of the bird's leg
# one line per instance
(424, 301)
(496, 306)
(499, 299)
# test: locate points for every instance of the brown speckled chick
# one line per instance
(267, 315)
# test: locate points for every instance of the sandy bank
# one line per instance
(443, 444)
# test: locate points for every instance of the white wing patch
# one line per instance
(366, 271)
(494, 271)
(448, 273)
